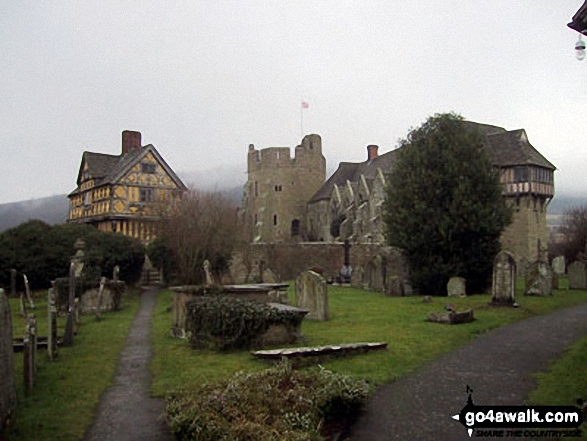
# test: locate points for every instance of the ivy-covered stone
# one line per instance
(223, 322)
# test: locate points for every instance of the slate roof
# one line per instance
(108, 169)
(507, 148)
(579, 22)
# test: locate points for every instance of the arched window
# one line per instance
(295, 227)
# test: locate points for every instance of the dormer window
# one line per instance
(148, 168)
(86, 175)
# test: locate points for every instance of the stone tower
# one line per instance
(278, 189)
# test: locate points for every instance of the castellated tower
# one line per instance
(278, 189)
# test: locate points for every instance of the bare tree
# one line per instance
(202, 226)
(574, 233)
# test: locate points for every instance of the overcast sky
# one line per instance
(204, 79)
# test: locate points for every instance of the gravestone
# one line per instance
(503, 287)
(77, 316)
(7, 388)
(312, 294)
(116, 273)
(78, 259)
(208, 272)
(346, 271)
(577, 275)
(13, 283)
(558, 265)
(269, 276)
(30, 354)
(100, 298)
(27, 290)
(68, 334)
(51, 323)
(358, 278)
(539, 279)
(395, 287)
(456, 287)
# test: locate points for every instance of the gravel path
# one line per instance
(497, 366)
(126, 412)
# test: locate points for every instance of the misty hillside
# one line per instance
(52, 209)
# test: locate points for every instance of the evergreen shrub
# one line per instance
(277, 403)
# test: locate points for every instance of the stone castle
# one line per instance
(287, 201)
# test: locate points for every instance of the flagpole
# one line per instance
(301, 119)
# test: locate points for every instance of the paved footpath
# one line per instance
(497, 366)
(126, 411)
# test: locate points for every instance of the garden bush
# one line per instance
(277, 403)
(222, 322)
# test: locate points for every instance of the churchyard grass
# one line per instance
(565, 381)
(355, 316)
(66, 391)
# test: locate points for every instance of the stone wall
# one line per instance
(374, 264)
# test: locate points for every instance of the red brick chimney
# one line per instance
(130, 141)
(372, 152)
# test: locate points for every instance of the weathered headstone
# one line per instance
(116, 273)
(29, 354)
(456, 287)
(22, 304)
(539, 279)
(269, 276)
(100, 298)
(577, 275)
(395, 287)
(13, 283)
(7, 388)
(312, 294)
(69, 325)
(27, 290)
(558, 265)
(78, 259)
(503, 288)
(346, 271)
(51, 324)
(555, 280)
(358, 277)
(208, 272)
(77, 316)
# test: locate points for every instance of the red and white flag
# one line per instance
(305, 105)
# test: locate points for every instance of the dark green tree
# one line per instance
(444, 206)
(43, 252)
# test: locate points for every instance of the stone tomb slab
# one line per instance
(319, 351)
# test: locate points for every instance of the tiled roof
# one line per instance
(107, 169)
(512, 148)
(507, 148)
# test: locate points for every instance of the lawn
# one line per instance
(67, 391)
(355, 316)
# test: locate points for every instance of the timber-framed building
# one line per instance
(122, 193)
